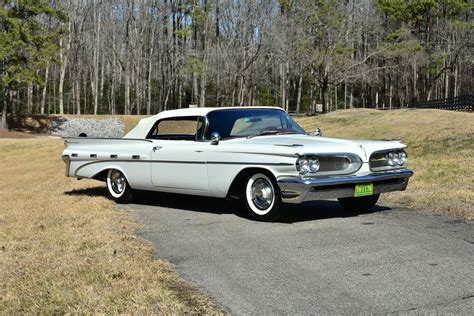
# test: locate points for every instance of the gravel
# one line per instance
(74, 127)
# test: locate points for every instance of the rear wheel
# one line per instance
(262, 198)
(359, 204)
(118, 187)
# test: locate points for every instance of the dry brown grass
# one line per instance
(65, 248)
(12, 134)
(440, 148)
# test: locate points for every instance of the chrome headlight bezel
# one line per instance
(388, 160)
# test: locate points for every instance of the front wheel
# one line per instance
(262, 198)
(118, 187)
(359, 204)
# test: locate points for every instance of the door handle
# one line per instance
(198, 151)
(157, 148)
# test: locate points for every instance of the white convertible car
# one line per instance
(257, 154)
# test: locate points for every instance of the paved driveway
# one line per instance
(321, 260)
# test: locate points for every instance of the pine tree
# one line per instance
(27, 43)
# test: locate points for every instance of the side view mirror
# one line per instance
(318, 132)
(215, 138)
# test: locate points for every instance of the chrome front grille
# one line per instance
(334, 164)
(328, 164)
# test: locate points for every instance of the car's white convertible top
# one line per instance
(144, 126)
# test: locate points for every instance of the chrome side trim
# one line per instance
(297, 190)
(180, 162)
(68, 139)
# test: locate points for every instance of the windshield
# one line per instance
(250, 123)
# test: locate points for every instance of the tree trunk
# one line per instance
(195, 89)
(415, 78)
(43, 95)
(351, 97)
(138, 91)
(446, 85)
(3, 122)
(148, 104)
(78, 97)
(130, 9)
(85, 92)
(30, 98)
(202, 93)
(298, 99)
(101, 89)
(325, 96)
(390, 95)
(127, 89)
(150, 74)
(15, 99)
(95, 82)
(282, 87)
(63, 58)
(180, 94)
(455, 81)
(62, 74)
(345, 94)
(312, 98)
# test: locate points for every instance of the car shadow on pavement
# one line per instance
(308, 211)
(323, 209)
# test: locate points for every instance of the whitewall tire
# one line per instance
(118, 187)
(262, 197)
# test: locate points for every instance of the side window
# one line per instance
(179, 128)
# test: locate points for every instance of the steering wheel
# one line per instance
(269, 129)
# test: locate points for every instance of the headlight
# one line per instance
(402, 157)
(396, 159)
(308, 165)
(314, 164)
(304, 165)
(393, 159)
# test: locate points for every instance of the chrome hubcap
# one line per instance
(117, 181)
(262, 194)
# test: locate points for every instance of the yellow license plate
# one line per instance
(364, 189)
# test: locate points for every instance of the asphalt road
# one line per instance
(320, 260)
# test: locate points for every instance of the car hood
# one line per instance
(313, 144)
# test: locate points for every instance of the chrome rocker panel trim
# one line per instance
(298, 190)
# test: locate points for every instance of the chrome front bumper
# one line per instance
(297, 190)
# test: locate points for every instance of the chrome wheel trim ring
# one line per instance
(116, 183)
(260, 194)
